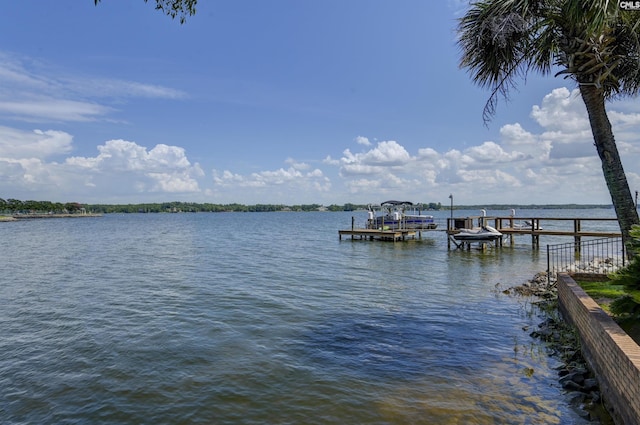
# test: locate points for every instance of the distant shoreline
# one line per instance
(182, 207)
(18, 217)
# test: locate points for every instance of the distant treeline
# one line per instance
(206, 207)
(17, 206)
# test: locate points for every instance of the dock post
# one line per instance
(353, 219)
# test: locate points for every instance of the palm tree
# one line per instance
(593, 42)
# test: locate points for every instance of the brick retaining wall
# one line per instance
(611, 354)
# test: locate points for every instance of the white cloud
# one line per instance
(120, 168)
(48, 109)
(290, 177)
(40, 93)
(162, 169)
(385, 154)
(558, 164)
(491, 153)
(567, 131)
(297, 165)
(363, 141)
(17, 144)
(107, 88)
(555, 164)
(561, 110)
(622, 120)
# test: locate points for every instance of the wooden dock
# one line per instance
(375, 234)
(507, 226)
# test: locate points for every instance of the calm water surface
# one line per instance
(246, 318)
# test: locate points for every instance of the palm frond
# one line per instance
(592, 42)
(497, 39)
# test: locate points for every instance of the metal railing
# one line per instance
(596, 256)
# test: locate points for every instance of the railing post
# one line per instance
(576, 237)
(548, 267)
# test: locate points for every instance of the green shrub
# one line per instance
(629, 277)
(625, 307)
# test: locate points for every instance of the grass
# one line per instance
(605, 293)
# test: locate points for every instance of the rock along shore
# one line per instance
(563, 342)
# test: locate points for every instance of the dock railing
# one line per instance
(593, 257)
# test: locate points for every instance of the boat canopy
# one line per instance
(397, 203)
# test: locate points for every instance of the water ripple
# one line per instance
(261, 318)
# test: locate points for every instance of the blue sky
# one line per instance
(282, 101)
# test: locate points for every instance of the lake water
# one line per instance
(254, 318)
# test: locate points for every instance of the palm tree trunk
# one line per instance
(614, 176)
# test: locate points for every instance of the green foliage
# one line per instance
(630, 275)
(174, 8)
(592, 42)
(625, 306)
(16, 206)
(175, 207)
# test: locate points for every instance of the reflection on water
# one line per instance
(264, 318)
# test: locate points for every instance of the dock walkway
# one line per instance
(507, 226)
(386, 235)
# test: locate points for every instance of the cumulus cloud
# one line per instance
(558, 164)
(119, 168)
(389, 167)
(567, 132)
(363, 141)
(298, 183)
(40, 144)
(297, 164)
(291, 177)
(162, 169)
(553, 163)
(492, 154)
(561, 110)
(385, 154)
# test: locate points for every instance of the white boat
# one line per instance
(526, 225)
(393, 215)
(478, 234)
